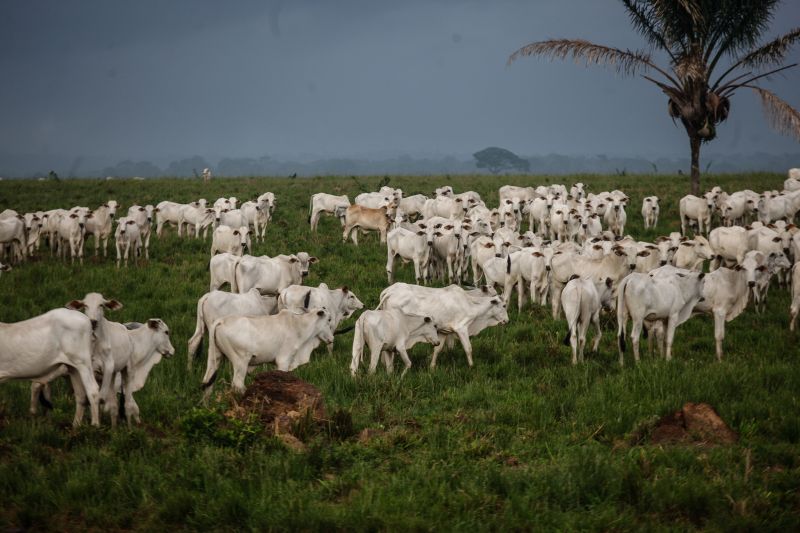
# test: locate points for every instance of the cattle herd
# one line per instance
(564, 246)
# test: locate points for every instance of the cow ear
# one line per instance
(673, 249)
(738, 268)
(495, 301)
(73, 215)
(420, 232)
(293, 260)
(345, 289)
(76, 305)
(112, 305)
(438, 234)
(449, 226)
(312, 259)
(427, 320)
(484, 289)
(421, 225)
(473, 234)
(131, 222)
(236, 232)
(644, 253)
(776, 239)
(152, 323)
(141, 209)
(320, 313)
(701, 276)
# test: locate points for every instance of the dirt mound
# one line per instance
(695, 423)
(282, 402)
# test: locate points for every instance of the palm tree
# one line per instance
(699, 37)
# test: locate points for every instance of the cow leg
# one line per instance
(438, 349)
(131, 407)
(80, 397)
(240, 372)
(375, 349)
(555, 298)
(573, 343)
(599, 335)
(719, 332)
(671, 325)
(636, 331)
(390, 265)
(401, 349)
(463, 336)
(88, 389)
(388, 360)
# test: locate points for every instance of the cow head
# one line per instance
(324, 330)
(423, 329)
(94, 305)
(160, 332)
(305, 260)
(350, 302)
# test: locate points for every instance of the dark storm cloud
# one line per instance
(347, 77)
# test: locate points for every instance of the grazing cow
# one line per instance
(650, 297)
(410, 246)
(361, 218)
(215, 305)
(127, 236)
(453, 310)
(41, 346)
(696, 210)
(168, 214)
(144, 219)
(582, 300)
(270, 275)
(198, 217)
(650, 211)
(99, 224)
(248, 341)
(230, 240)
(387, 332)
(691, 254)
(327, 203)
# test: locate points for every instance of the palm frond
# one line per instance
(644, 20)
(730, 87)
(772, 53)
(781, 115)
(624, 61)
(737, 27)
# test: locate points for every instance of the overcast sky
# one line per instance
(156, 79)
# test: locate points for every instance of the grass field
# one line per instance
(524, 440)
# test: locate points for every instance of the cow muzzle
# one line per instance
(547, 268)
(662, 263)
(80, 225)
(305, 273)
(498, 255)
(751, 284)
(94, 324)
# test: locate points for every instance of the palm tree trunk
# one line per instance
(694, 141)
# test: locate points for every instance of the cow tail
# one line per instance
(196, 341)
(235, 280)
(214, 357)
(358, 345)
(622, 316)
(508, 264)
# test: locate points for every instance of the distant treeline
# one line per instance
(40, 166)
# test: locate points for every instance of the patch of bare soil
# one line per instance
(694, 423)
(282, 402)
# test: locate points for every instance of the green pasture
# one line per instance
(524, 440)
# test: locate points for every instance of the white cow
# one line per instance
(248, 341)
(691, 254)
(168, 214)
(794, 309)
(143, 215)
(270, 275)
(696, 210)
(650, 211)
(725, 295)
(99, 224)
(215, 305)
(12, 234)
(198, 217)
(126, 237)
(413, 205)
(410, 246)
(729, 245)
(648, 297)
(453, 310)
(40, 347)
(615, 218)
(233, 218)
(386, 332)
(582, 300)
(223, 270)
(70, 233)
(230, 240)
(327, 203)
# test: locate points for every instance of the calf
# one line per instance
(144, 219)
(365, 219)
(248, 341)
(691, 254)
(582, 300)
(70, 232)
(223, 270)
(387, 332)
(410, 246)
(99, 224)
